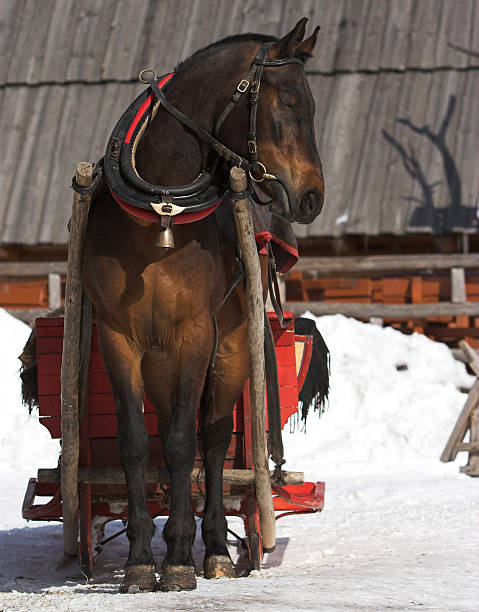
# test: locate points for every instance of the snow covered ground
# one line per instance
(399, 530)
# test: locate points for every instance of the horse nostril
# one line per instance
(311, 203)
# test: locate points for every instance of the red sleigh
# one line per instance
(102, 491)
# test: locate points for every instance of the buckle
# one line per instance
(255, 87)
(251, 146)
(243, 85)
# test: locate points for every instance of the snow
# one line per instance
(399, 528)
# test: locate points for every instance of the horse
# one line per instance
(161, 313)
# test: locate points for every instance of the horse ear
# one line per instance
(286, 46)
(305, 49)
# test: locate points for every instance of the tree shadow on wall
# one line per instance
(428, 214)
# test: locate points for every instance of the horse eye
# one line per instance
(287, 99)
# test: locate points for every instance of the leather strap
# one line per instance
(241, 88)
(221, 149)
(273, 288)
(275, 440)
(282, 62)
(92, 189)
(255, 87)
(238, 277)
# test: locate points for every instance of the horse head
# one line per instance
(245, 99)
(289, 168)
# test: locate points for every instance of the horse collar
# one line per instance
(195, 200)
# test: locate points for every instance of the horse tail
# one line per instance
(315, 390)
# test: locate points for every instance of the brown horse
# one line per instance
(154, 308)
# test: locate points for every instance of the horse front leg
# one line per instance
(178, 572)
(226, 381)
(123, 364)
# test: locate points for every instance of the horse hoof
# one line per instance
(218, 566)
(177, 578)
(138, 578)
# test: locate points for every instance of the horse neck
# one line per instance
(169, 154)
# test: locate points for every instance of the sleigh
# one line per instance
(101, 484)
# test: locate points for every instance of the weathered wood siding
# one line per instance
(386, 76)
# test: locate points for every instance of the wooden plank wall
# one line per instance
(397, 288)
(32, 285)
(30, 293)
(451, 281)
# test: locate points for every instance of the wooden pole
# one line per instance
(70, 363)
(340, 266)
(255, 313)
(385, 311)
(471, 356)
(451, 449)
(472, 467)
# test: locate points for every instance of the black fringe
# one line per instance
(28, 373)
(28, 369)
(315, 390)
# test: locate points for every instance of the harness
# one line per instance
(195, 200)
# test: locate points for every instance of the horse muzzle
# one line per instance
(303, 210)
(284, 203)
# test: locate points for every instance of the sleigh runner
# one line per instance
(101, 483)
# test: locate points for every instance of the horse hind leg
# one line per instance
(123, 365)
(226, 381)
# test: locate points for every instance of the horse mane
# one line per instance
(261, 38)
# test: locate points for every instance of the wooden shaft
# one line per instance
(70, 364)
(255, 313)
(161, 475)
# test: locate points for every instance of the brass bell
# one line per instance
(165, 238)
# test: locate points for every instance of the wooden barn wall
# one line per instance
(396, 85)
(395, 288)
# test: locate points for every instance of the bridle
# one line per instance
(119, 162)
(253, 82)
